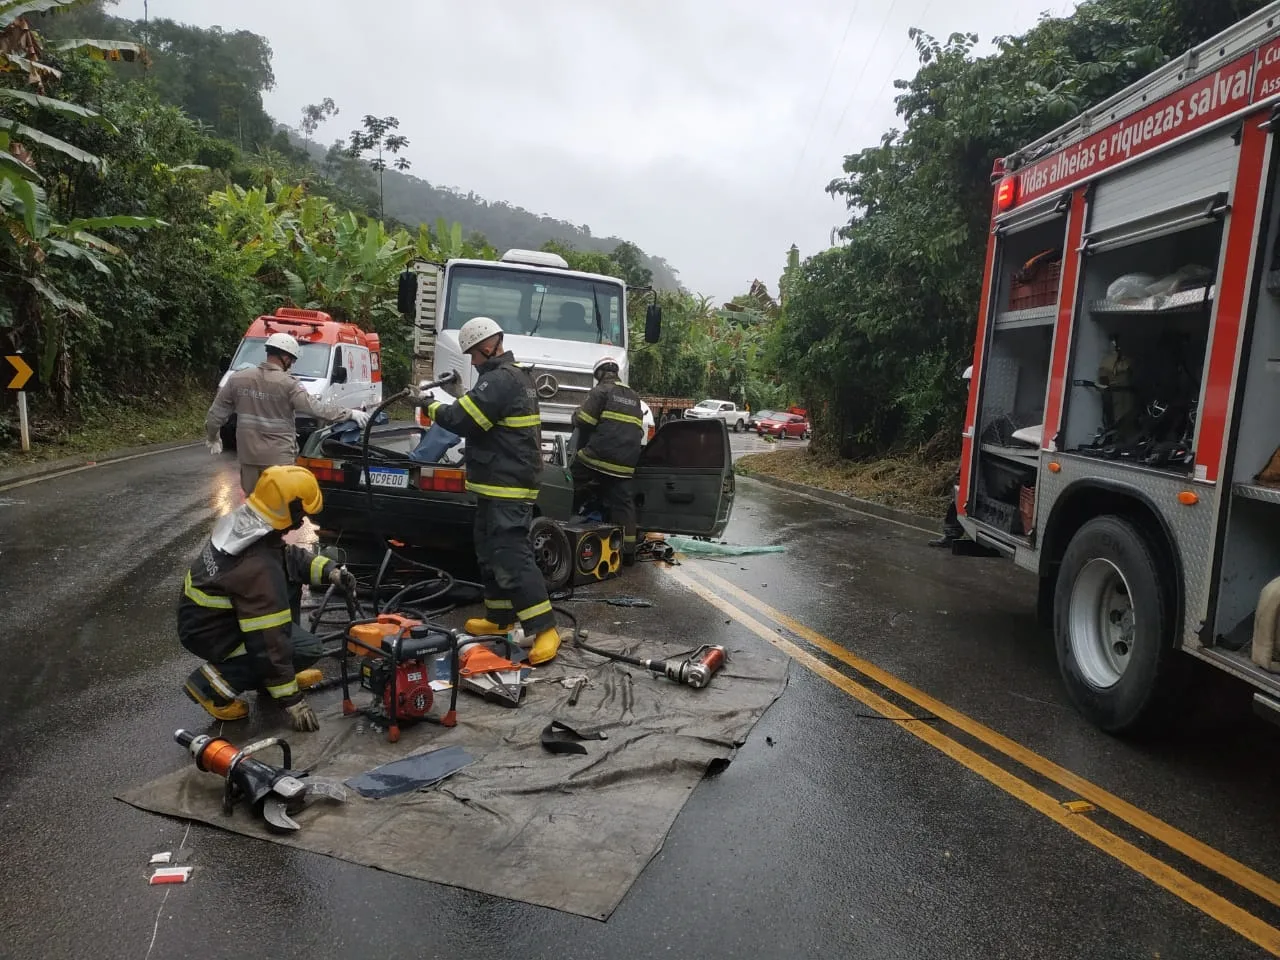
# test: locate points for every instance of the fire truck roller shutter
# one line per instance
(1170, 180)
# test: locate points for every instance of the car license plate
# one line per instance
(386, 477)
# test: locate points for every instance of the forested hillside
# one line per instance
(217, 77)
(149, 207)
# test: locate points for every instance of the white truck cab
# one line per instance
(557, 321)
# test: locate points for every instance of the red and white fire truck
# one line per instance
(1124, 412)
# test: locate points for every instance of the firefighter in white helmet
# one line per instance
(610, 428)
(500, 420)
(264, 399)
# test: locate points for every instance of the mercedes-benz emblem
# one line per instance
(546, 386)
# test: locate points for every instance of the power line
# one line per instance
(875, 43)
(910, 44)
(825, 87)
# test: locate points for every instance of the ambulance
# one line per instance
(1122, 435)
(339, 362)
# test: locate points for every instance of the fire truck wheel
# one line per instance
(1111, 626)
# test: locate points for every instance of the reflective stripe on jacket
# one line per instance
(610, 428)
(237, 606)
(499, 418)
(264, 399)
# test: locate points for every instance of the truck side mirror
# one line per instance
(653, 323)
(407, 295)
(339, 375)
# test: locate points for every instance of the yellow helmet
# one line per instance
(278, 488)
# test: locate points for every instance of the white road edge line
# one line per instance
(91, 466)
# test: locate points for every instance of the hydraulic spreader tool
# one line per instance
(274, 793)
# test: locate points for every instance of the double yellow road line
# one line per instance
(722, 594)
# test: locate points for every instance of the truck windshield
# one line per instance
(537, 304)
(312, 364)
(709, 405)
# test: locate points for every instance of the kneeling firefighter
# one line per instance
(610, 437)
(500, 420)
(240, 599)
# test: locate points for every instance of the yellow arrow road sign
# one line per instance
(22, 372)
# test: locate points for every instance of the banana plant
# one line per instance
(24, 211)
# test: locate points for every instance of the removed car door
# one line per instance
(684, 481)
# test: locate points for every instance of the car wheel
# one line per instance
(738, 425)
(1113, 631)
(805, 435)
(551, 552)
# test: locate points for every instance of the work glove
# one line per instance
(343, 579)
(302, 717)
(215, 446)
(361, 417)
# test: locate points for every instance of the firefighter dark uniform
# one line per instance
(499, 419)
(610, 435)
(240, 598)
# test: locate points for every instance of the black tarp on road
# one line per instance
(571, 832)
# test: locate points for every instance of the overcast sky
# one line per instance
(703, 130)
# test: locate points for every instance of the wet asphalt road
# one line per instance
(833, 832)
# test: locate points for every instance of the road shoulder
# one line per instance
(44, 468)
(926, 524)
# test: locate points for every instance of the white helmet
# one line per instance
(603, 364)
(476, 331)
(284, 343)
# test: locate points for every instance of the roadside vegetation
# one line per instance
(915, 483)
(874, 334)
(149, 208)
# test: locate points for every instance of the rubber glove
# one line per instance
(302, 717)
(361, 417)
(215, 446)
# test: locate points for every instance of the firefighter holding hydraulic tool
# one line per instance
(499, 419)
(610, 437)
(239, 602)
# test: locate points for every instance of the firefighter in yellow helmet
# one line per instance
(240, 600)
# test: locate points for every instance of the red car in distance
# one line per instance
(783, 425)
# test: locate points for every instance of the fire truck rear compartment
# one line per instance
(1016, 374)
(1139, 349)
(1251, 543)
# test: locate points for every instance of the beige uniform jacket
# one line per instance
(264, 399)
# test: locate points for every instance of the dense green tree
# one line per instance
(875, 332)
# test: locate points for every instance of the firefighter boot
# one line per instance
(208, 688)
(480, 627)
(545, 646)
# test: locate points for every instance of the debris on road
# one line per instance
(693, 547)
(411, 773)
(170, 875)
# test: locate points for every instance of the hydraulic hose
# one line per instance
(441, 576)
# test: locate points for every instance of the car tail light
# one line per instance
(442, 480)
(330, 470)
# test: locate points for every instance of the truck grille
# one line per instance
(566, 386)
